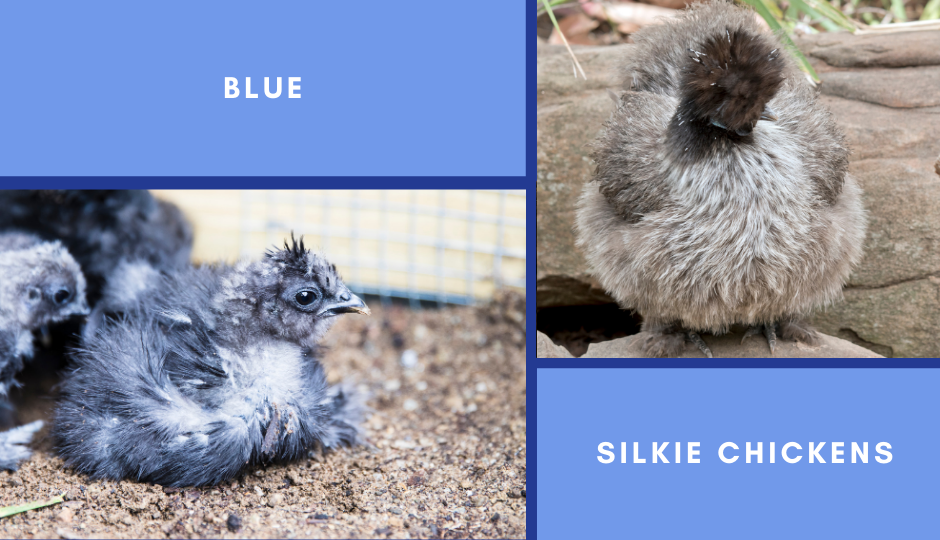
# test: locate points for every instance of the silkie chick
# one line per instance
(40, 284)
(721, 194)
(103, 229)
(216, 370)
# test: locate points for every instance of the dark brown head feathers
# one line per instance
(730, 80)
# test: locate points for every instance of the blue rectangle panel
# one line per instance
(579, 497)
(137, 88)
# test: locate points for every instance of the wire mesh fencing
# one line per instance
(443, 246)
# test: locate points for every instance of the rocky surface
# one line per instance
(448, 457)
(730, 346)
(884, 91)
(545, 348)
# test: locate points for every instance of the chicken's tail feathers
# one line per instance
(347, 410)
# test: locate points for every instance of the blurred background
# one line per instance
(441, 247)
(599, 23)
(584, 22)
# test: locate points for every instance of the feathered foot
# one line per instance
(798, 331)
(12, 449)
(790, 330)
(668, 341)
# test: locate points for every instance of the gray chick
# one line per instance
(217, 369)
(40, 284)
(721, 194)
(103, 228)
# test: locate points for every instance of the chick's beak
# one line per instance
(768, 114)
(345, 303)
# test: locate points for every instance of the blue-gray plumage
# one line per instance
(215, 369)
(40, 284)
(102, 228)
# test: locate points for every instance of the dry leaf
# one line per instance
(628, 16)
(577, 28)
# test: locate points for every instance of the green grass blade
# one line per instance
(931, 11)
(760, 6)
(828, 12)
(551, 4)
(815, 15)
(897, 9)
(768, 5)
(7, 511)
(551, 15)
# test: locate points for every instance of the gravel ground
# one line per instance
(448, 429)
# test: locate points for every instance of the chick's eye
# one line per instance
(305, 298)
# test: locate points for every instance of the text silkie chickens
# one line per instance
(729, 452)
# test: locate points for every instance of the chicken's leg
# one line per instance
(669, 340)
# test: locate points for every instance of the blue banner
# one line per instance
(138, 88)
(813, 417)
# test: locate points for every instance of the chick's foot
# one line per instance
(795, 330)
(669, 341)
(13, 443)
(790, 330)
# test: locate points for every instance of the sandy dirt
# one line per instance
(447, 388)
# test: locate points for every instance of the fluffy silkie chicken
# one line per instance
(40, 284)
(721, 195)
(214, 370)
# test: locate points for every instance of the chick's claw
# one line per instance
(700, 343)
(769, 331)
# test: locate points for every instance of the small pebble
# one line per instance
(259, 473)
(392, 385)
(65, 516)
(481, 387)
(66, 534)
(234, 522)
(421, 386)
(409, 358)
(410, 404)
(466, 484)
(395, 510)
(321, 516)
(295, 478)
(275, 500)
(479, 501)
